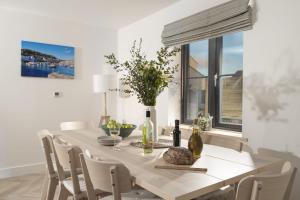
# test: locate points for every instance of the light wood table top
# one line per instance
(225, 166)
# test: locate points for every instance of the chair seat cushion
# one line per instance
(226, 193)
(136, 194)
(68, 183)
(67, 171)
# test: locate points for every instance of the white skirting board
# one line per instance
(22, 170)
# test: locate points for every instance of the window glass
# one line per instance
(232, 57)
(198, 60)
(213, 80)
(231, 80)
(197, 82)
(197, 97)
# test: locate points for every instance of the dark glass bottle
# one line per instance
(176, 134)
(195, 142)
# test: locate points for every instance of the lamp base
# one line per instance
(104, 120)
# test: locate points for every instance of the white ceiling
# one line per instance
(106, 13)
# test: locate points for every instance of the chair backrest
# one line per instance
(67, 158)
(223, 141)
(75, 125)
(62, 153)
(264, 187)
(218, 140)
(281, 167)
(106, 175)
(284, 169)
(247, 148)
(46, 141)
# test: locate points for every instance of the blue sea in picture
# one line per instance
(47, 60)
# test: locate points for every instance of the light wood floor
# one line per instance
(21, 188)
(28, 187)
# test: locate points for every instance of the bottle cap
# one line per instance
(176, 122)
(147, 113)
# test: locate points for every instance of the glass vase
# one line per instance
(153, 117)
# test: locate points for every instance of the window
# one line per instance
(212, 80)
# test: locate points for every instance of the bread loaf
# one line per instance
(178, 156)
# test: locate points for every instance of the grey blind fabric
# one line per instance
(226, 18)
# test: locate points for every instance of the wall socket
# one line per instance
(57, 94)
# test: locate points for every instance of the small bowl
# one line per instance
(124, 132)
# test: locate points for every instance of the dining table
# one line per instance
(224, 166)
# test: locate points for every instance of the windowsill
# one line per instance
(219, 132)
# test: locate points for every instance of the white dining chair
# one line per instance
(260, 187)
(112, 177)
(217, 140)
(286, 166)
(281, 167)
(227, 142)
(265, 187)
(247, 148)
(73, 125)
(51, 180)
(223, 141)
(67, 157)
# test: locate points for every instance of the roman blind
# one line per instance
(226, 18)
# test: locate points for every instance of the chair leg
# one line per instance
(51, 188)
(63, 193)
(45, 188)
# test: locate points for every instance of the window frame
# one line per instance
(215, 48)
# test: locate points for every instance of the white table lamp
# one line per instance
(102, 84)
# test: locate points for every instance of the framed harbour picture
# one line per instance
(47, 60)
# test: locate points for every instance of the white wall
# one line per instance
(150, 29)
(27, 104)
(271, 71)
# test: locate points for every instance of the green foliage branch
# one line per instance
(146, 78)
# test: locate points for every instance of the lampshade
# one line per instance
(102, 82)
